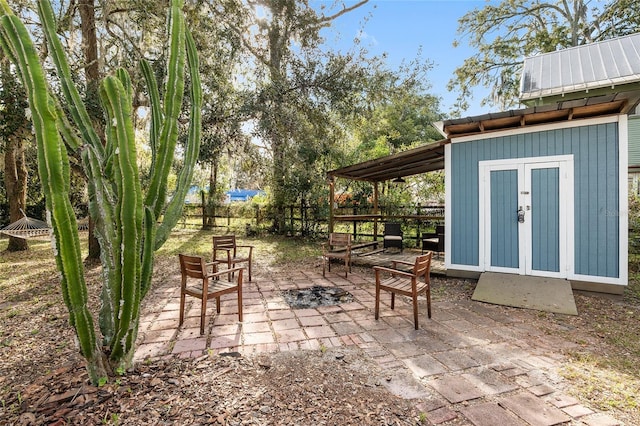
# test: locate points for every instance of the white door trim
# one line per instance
(565, 165)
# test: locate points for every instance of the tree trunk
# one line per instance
(211, 203)
(15, 179)
(279, 195)
(92, 74)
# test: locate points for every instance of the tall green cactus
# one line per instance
(125, 218)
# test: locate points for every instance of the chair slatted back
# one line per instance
(422, 266)
(339, 239)
(224, 242)
(192, 266)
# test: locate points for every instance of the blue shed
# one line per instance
(540, 191)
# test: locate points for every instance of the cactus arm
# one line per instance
(172, 105)
(156, 108)
(147, 251)
(176, 205)
(101, 203)
(115, 99)
(125, 79)
(53, 167)
(7, 48)
(67, 131)
(4, 6)
(74, 101)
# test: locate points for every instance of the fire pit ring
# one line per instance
(316, 296)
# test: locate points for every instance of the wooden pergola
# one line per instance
(415, 161)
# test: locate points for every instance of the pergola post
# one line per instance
(331, 201)
(375, 210)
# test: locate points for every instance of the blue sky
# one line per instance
(400, 27)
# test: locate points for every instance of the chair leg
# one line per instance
(182, 297)
(240, 296)
(393, 300)
(429, 301)
(203, 313)
(377, 299)
(249, 270)
(324, 265)
(415, 310)
(232, 274)
(218, 304)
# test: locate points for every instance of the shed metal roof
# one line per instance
(605, 64)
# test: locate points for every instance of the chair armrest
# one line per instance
(246, 247)
(402, 262)
(392, 271)
(228, 250)
(226, 271)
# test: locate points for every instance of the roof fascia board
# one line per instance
(533, 101)
(614, 118)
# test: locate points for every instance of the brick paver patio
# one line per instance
(471, 364)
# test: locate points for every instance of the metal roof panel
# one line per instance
(606, 63)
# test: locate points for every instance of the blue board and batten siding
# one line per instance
(596, 173)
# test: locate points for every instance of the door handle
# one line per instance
(520, 215)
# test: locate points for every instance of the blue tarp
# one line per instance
(243, 194)
(193, 195)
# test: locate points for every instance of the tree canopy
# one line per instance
(504, 33)
(280, 107)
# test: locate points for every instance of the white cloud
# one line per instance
(364, 36)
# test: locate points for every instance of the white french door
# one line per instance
(525, 210)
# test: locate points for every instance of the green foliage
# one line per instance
(400, 113)
(125, 225)
(634, 211)
(634, 223)
(301, 92)
(13, 103)
(504, 33)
